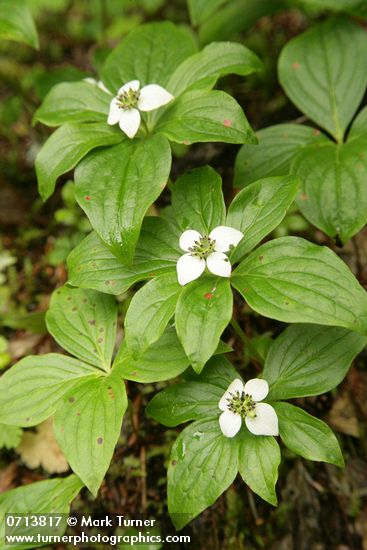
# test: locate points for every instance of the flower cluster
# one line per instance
(206, 251)
(125, 107)
(242, 401)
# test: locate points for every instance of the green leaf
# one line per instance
(216, 60)
(84, 323)
(116, 186)
(197, 200)
(261, 345)
(258, 462)
(163, 360)
(87, 426)
(150, 311)
(359, 126)
(292, 280)
(197, 397)
(74, 102)
(205, 116)
(202, 9)
(16, 23)
(149, 54)
(273, 155)
(66, 147)
(333, 192)
(10, 436)
(324, 73)
(237, 16)
(309, 360)
(341, 5)
(44, 377)
(92, 265)
(258, 209)
(52, 496)
(203, 311)
(223, 348)
(306, 435)
(203, 464)
(358, 8)
(218, 371)
(183, 402)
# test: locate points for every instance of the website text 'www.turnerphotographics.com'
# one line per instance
(86, 530)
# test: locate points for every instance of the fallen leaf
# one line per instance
(24, 344)
(41, 449)
(7, 477)
(343, 417)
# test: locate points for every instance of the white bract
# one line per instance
(130, 99)
(206, 251)
(243, 401)
(97, 83)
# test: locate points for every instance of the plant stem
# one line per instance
(144, 127)
(247, 341)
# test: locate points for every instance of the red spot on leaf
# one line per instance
(87, 198)
(152, 274)
(227, 122)
(295, 65)
(316, 132)
(245, 289)
(100, 440)
(208, 295)
(261, 258)
(303, 197)
(111, 393)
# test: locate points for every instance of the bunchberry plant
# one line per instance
(168, 98)
(178, 269)
(218, 445)
(330, 160)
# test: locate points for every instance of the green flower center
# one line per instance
(242, 404)
(203, 247)
(128, 99)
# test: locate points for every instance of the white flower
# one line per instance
(206, 251)
(130, 99)
(242, 401)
